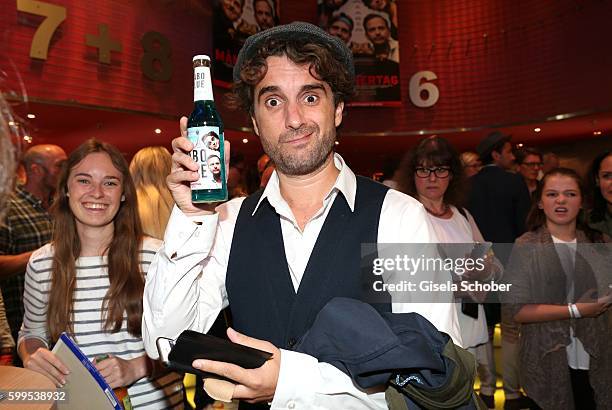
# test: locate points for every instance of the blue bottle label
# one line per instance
(206, 153)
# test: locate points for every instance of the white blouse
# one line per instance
(463, 229)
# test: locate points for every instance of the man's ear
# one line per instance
(37, 169)
(255, 127)
(495, 155)
(338, 113)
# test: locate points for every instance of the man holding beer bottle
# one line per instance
(278, 256)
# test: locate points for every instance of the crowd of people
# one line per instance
(81, 251)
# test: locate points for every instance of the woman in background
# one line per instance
(566, 333)
(149, 169)
(471, 163)
(600, 180)
(89, 280)
(433, 174)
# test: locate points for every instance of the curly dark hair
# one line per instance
(433, 151)
(323, 66)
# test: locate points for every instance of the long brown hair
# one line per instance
(124, 274)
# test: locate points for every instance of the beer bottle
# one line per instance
(205, 131)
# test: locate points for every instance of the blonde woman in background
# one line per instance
(471, 163)
(149, 168)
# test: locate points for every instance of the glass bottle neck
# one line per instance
(202, 84)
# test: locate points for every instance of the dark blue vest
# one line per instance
(261, 296)
(262, 300)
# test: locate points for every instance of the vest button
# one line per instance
(291, 342)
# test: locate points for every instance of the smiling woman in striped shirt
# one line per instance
(89, 280)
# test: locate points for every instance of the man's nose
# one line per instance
(294, 117)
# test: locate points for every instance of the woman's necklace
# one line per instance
(438, 214)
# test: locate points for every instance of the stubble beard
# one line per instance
(304, 161)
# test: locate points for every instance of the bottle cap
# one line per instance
(201, 57)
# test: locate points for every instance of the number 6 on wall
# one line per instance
(417, 86)
(42, 37)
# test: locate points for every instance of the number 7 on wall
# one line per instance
(54, 14)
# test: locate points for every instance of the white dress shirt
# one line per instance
(185, 287)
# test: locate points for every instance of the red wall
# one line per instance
(72, 74)
(539, 59)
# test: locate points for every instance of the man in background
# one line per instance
(341, 26)
(550, 160)
(265, 16)
(27, 225)
(378, 32)
(499, 201)
(529, 162)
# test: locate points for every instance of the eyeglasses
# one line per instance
(440, 172)
(533, 164)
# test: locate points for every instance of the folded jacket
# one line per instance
(402, 351)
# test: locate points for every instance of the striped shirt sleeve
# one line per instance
(36, 296)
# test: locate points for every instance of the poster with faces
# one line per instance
(233, 22)
(369, 29)
(206, 153)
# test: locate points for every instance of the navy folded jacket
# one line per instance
(419, 366)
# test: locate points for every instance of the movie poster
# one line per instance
(369, 29)
(233, 22)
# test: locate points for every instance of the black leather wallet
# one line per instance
(192, 345)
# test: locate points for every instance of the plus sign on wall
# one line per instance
(104, 43)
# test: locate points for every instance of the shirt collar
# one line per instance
(346, 183)
(26, 195)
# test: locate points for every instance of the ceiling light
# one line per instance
(537, 129)
(244, 140)
(157, 131)
(27, 139)
(11, 123)
(337, 142)
(559, 117)
(31, 116)
(596, 132)
(519, 145)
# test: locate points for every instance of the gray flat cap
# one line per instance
(296, 30)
